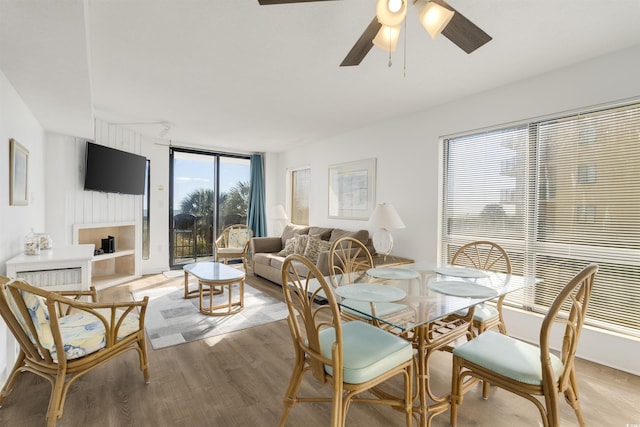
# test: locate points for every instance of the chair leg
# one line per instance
(456, 393)
(571, 395)
(13, 377)
(57, 398)
(144, 362)
(486, 387)
(408, 395)
(293, 388)
(339, 406)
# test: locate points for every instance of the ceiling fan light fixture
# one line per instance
(387, 38)
(391, 12)
(434, 18)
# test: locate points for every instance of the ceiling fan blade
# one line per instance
(266, 2)
(363, 45)
(464, 33)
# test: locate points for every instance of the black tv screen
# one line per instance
(114, 171)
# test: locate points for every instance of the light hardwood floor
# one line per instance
(239, 380)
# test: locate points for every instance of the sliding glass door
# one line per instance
(208, 192)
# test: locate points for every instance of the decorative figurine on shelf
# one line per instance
(45, 241)
(31, 244)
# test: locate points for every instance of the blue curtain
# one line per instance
(257, 218)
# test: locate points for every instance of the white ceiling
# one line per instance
(234, 75)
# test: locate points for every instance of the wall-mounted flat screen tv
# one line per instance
(114, 171)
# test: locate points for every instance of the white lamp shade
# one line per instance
(387, 38)
(391, 12)
(434, 18)
(280, 213)
(386, 216)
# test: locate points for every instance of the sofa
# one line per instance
(268, 253)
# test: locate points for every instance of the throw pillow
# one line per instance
(301, 244)
(289, 247)
(315, 245)
(238, 237)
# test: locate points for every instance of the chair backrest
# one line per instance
(568, 309)
(347, 258)
(236, 236)
(25, 309)
(483, 255)
(308, 320)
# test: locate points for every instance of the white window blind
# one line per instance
(556, 194)
(300, 192)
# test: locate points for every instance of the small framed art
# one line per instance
(18, 174)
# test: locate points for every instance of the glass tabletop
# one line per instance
(434, 291)
(212, 271)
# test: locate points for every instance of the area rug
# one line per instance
(172, 320)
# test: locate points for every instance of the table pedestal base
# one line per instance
(225, 309)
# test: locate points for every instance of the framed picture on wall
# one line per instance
(18, 174)
(352, 189)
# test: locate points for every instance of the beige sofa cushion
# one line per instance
(291, 230)
(361, 235)
(323, 232)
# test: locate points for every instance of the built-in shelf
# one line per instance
(110, 269)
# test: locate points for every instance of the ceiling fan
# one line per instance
(436, 15)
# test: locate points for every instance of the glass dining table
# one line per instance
(430, 305)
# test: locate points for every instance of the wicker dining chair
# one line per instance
(529, 370)
(352, 356)
(349, 260)
(485, 255)
(233, 243)
(62, 338)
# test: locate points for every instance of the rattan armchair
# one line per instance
(526, 369)
(233, 243)
(353, 357)
(62, 338)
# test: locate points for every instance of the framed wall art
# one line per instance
(18, 174)
(352, 189)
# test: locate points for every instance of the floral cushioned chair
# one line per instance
(62, 338)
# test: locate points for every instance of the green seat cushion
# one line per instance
(482, 312)
(507, 356)
(368, 351)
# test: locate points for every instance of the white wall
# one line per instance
(408, 151)
(16, 121)
(67, 201)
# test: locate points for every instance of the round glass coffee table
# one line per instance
(212, 278)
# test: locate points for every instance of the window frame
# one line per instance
(532, 249)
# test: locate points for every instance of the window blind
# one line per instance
(556, 194)
(300, 192)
